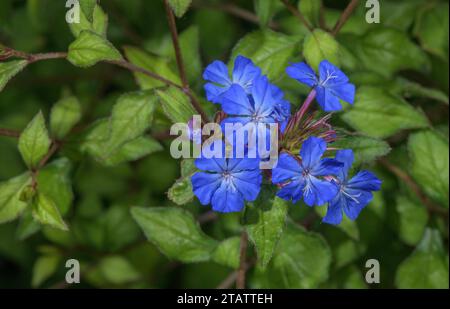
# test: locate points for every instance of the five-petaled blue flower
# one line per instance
(244, 72)
(331, 86)
(353, 194)
(300, 178)
(226, 182)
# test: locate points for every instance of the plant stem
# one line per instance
(299, 115)
(9, 133)
(240, 279)
(297, 13)
(345, 16)
(180, 63)
(431, 207)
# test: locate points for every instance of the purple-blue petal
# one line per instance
(217, 72)
(318, 192)
(227, 199)
(205, 185)
(287, 168)
(364, 180)
(244, 72)
(327, 99)
(312, 151)
(303, 73)
(236, 102)
(248, 183)
(334, 211)
(327, 167)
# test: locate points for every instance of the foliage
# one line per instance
(85, 168)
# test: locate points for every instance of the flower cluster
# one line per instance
(305, 173)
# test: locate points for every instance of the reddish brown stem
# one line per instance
(345, 16)
(240, 280)
(297, 13)
(9, 133)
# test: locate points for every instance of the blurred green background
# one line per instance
(103, 236)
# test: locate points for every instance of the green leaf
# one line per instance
(386, 51)
(44, 267)
(90, 48)
(310, 10)
(413, 218)
(27, 226)
(265, 221)
(54, 180)
(133, 150)
(175, 232)
(87, 8)
(320, 45)
(269, 50)
(265, 10)
(426, 267)
(365, 149)
(179, 7)
(176, 105)
(97, 140)
(431, 28)
(181, 191)
(302, 260)
(227, 252)
(131, 117)
(412, 89)
(64, 116)
(117, 270)
(120, 228)
(34, 141)
(377, 113)
(98, 23)
(9, 69)
(152, 63)
(10, 204)
(46, 212)
(190, 50)
(429, 164)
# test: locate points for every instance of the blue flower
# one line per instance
(300, 178)
(244, 72)
(226, 183)
(353, 194)
(331, 86)
(253, 111)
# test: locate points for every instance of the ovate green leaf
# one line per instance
(64, 116)
(429, 164)
(34, 141)
(46, 212)
(378, 113)
(9, 69)
(175, 232)
(90, 48)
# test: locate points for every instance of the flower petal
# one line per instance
(364, 180)
(262, 96)
(327, 167)
(312, 151)
(287, 168)
(244, 72)
(327, 99)
(353, 206)
(346, 157)
(318, 192)
(236, 102)
(227, 199)
(334, 211)
(292, 191)
(330, 75)
(204, 185)
(217, 72)
(215, 93)
(303, 73)
(248, 183)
